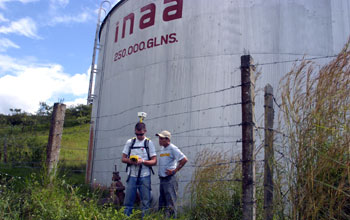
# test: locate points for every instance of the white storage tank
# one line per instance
(178, 61)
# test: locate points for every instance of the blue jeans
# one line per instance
(143, 185)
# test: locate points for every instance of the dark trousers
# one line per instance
(168, 195)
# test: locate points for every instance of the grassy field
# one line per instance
(72, 159)
(73, 153)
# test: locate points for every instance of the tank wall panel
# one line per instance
(183, 82)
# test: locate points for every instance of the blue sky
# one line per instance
(45, 51)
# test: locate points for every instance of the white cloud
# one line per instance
(76, 102)
(54, 4)
(10, 65)
(30, 84)
(3, 2)
(2, 18)
(25, 26)
(6, 43)
(67, 19)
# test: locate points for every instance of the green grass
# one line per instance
(73, 153)
(39, 198)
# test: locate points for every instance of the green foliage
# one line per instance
(77, 115)
(25, 149)
(38, 198)
(44, 109)
(58, 200)
(316, 110)
(26, 142)
(215, 193)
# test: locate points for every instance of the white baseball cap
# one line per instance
(164, 134)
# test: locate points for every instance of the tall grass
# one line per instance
(215, 187)
(73, 154)
(316, 110)
(38, 198)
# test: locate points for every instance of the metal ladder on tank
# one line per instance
(97, 46)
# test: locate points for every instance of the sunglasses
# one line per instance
(139, 134)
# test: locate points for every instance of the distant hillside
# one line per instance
(24, 137)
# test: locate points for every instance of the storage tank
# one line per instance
(179, 61)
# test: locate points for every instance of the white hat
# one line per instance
(164, 134)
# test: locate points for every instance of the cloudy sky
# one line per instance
(45, 51)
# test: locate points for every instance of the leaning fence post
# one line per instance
(269, 153)
(248, 161)
(5, 149)
(54, 144)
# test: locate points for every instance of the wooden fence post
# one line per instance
(90, 152)
(5, 149)
(248, 139)
(55, 136)
(269, 153)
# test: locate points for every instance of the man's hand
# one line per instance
(139, 161)
(132, 162)
(182, 162)
(170, 172)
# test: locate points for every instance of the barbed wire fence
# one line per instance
(234, 142)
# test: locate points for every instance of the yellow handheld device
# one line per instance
(134, 158)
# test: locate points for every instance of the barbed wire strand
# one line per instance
(167, 102)
(295, 60)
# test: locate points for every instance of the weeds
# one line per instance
(215, 191)
(316, 109)
(40, 199)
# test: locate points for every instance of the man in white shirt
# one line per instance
(139, 154)
(171, 160)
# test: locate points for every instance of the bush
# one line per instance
(28, 150)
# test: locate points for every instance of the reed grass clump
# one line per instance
(316, 110)
(215, 187)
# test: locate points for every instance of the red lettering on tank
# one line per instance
(147, 20)
(116, 33)
(130, 17)
(155, 42)
(164, 39)
(143, 45)
(172, 38)
(171, 12)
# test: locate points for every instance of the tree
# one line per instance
(44, 109)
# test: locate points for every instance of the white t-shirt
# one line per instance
(168, 158)
(140, 152)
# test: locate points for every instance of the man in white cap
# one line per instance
(171, 160)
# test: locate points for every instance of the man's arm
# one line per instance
(151, 162)
(182, 163)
